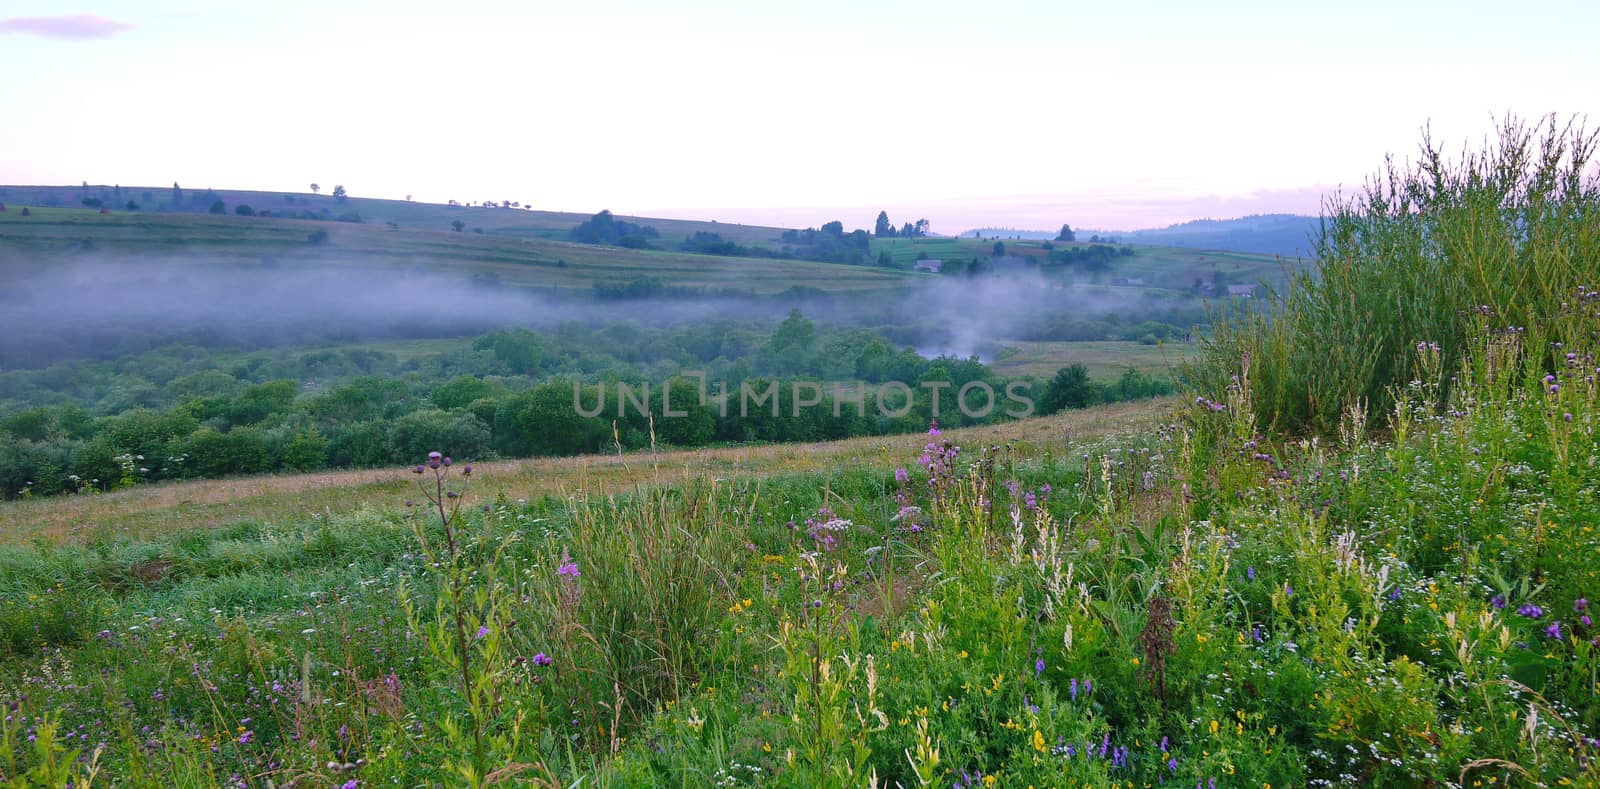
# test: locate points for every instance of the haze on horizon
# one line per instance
(1023, 114)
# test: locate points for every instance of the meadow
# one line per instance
(1345, 556)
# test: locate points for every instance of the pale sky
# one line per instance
(1110, 115)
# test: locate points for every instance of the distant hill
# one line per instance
(1285, 235)
(1282, 235)
(498, 219)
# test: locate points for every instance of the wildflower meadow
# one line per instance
(1399, 597)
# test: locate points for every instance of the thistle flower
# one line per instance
(435, 459)
(541, 659)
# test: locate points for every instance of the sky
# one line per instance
(997, 114)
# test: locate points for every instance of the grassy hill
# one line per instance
(520, 222)
(200, 239)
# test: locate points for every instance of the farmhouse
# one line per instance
(1242, 291)
(930, 265)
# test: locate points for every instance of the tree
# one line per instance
(318, 236)
(922, 228)
(999, 249)
(218, 208)
(316, 188)
(1065, 234)
(131, 206)
(834, 228)
(884, 228)
(177, 195)
(1070, 388)
(908, 230)
(457, 225)
(339, 193)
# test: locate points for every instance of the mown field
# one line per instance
(1105, 360)
(156, 510)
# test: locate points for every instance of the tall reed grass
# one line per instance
(1429, 248)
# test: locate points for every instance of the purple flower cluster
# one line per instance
(1073, 686)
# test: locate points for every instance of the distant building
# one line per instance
(1137, 282)
(1242, 291)
(929, 265)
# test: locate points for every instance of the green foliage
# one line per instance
(603, 228)
(412, 434)
(1070, 388)
(1424, 255)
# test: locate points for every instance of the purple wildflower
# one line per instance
(1073, 689)
(1585, 620)
(1554, 630)
(244, 739)
(435, 459)
(1530, 610)
(1038, 668)
(568, 569)
(1498, 601)
(541, 659)
(1580, 604)
(350, 784)
(901, 475)
(483, 630)
(1250, 572)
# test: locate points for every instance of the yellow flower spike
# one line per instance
(1214, 727)
(1038, 741)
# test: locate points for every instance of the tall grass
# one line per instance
(1429, 249)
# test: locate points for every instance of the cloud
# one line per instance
(73, 26)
